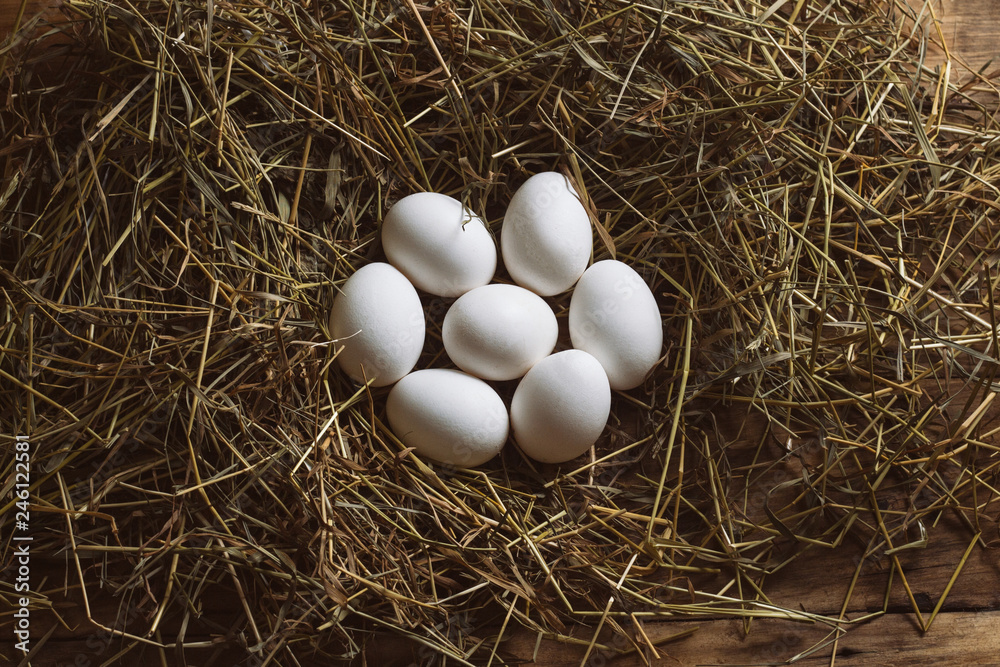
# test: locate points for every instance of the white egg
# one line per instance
(546, 240)
(448, 416)
(378, 319)
(613, 316)
(560, 407)
(498, 332)
(441, 246)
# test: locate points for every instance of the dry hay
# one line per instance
(813, 207)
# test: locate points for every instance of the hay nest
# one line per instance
(183, 192)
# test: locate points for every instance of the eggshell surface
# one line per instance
(613, 316)
(441, 246)
(560, 407)
(448, 416)
(498, 332)
(378, 319)
(546, 240)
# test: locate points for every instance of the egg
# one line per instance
(613, 316)
(378, 319)
(546, 240)
(560, 407)
(448, 416)
(498, 332)
(441, 246)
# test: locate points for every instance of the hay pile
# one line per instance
(183, 192)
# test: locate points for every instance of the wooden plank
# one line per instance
(889, 641)
(9, 10)
(970, 30)
(817, 582)
(966, 638)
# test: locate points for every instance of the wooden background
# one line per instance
(16, 12)
(965, 632)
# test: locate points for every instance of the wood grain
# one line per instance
(970, 30)
(959, 638)
(817, 581)
(14, 13)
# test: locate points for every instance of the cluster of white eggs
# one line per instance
(497, 332)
